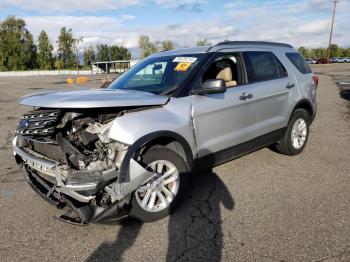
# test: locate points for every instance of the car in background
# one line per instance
(323, 61)
(341, 60)
(311, 61)
(333, 60)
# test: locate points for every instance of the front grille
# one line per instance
(41, 122)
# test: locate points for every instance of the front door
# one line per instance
(222, 120)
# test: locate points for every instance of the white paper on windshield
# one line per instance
(186, 59)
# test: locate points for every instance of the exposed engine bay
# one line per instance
(74, 138)
(67, 155)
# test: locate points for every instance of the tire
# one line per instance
(156, 156)
(287, 145)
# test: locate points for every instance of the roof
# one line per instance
(235, 43)
(182, 51)
(115, 61)
(218, 46)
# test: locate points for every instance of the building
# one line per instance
(112, 67)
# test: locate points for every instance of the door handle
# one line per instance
(245, 96)
(290, 85)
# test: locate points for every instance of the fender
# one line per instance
(306, 104)
(173, 120)
(124, 175)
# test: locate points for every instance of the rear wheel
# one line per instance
(158, 197)
(297, 134)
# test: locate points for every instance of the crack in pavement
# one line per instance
(204, 208)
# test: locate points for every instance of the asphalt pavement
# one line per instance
(260, 207)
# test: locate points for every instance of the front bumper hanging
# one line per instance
(77, 188)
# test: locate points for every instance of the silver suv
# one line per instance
(128, 150)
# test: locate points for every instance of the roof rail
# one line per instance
(253, 43)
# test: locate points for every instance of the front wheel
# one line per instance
(158, 197)
(296, 135)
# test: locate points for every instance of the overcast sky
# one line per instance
(298, 22)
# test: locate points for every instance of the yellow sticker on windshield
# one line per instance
(182, 66)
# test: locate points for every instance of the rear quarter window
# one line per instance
(299, 62)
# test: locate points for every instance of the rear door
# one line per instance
(271, 90)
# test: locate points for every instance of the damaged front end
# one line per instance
(67, 157)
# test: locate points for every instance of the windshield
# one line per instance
(159, 74)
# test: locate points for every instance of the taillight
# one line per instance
(315, 78)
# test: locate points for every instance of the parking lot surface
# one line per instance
(260, 207)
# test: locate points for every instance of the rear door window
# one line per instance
(299, 62)
(263, 66)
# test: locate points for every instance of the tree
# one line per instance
(59, 64)
(321, 52)
(119, 53)
(103, 53)
(335, 51)
(44, 54)
(346, 52)
(89, 56)
(203, 42)
(146, 46)
(17, 48)
(66, 47)
(304, 51)
(2, 60)
(167, 45)
(312, 53)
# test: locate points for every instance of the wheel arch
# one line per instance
(304, 104)
(166, 138)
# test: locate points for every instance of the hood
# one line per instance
(92, 99)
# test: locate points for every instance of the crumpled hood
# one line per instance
(95, 98)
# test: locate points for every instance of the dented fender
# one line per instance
(136, 129)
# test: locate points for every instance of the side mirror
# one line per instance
(211, 86)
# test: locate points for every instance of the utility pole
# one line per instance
(331, 33)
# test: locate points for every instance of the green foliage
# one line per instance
(17, 48)
(167, 45)
(112, 53)
(119, 53)
(44, 54)
(303, 51)
(335, 51)
(66, 47)
(18, 51)
(321, 52)
(59, 64)
(203, 42)
(146, 46)
(346, 52)
(89, 56)
(103, 53)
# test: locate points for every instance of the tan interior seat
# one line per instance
(226, 75)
